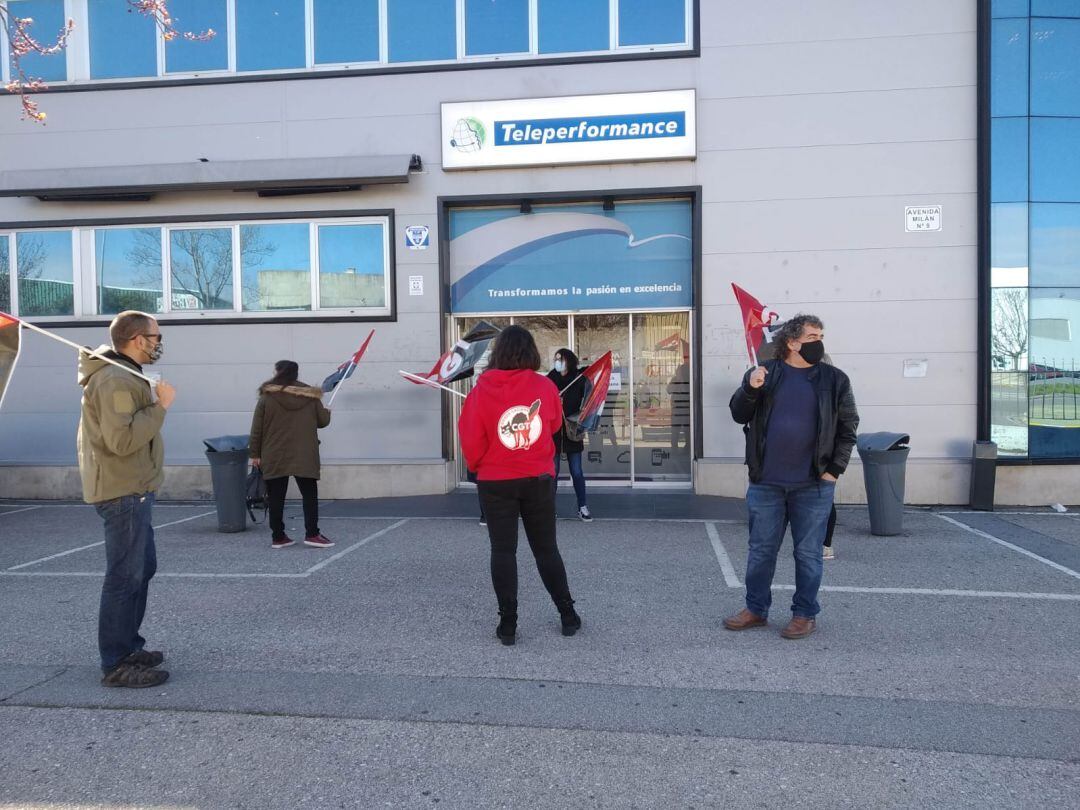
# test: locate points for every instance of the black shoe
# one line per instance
(146, 658)
(133, 676)
(571, 622)
(506, 632)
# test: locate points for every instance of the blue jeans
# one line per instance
(772, 507)
(573, 461)
(130, 563)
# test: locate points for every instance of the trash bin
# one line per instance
(983, 475)
(228, 457)
(884, 459)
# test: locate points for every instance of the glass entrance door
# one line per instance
(608, 450)
(661, 385)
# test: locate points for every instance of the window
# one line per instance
(123, 44)
(496, 26)
(275, 265)
(422, 30)
(1055, 8)
(127, 266)
(1055, 67)
(49, 21)
(196, 16)
(1055, 245)
(1009, 68)
(1009, 8)
(201, 268)
(346, 31)
(1009, 156)
(652, 22)
(1055, 159)
(270, 35)
(5, 273)
(351, 262)
(45, 273)
(573, 26)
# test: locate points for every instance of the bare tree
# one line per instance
(29, 256)
(1009, 334)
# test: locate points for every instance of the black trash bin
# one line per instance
(884, 459)
(983, 475)
(228, 457)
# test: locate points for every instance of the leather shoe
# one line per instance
(744, 620)
(798, 627)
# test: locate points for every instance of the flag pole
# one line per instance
(341, 382)
(578, 377)
(83, 349)
(426, 381)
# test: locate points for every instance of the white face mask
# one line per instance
(560, 366)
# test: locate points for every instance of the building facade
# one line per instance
(600, 171)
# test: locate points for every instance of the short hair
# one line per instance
(515, 348)
(792, 329)
(127, 326)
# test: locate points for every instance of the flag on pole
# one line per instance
(10, 344)
(759, 322)
(346, 369)
(460, 362)
(597, 380)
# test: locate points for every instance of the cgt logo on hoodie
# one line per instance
(520, 426)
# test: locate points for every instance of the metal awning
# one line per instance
(277, 177)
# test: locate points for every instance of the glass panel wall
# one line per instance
(270, 35)
(49, 20)
(275, 267)
(493, 28)
(183, 55)
(589, 31)
(200, 266)
(346, 31)
(1035, 228)
(422, 30)
(123, 44)
(661, 396)
(5, 273)
(127, 263)
(46, 273)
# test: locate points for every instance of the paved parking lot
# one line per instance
(946, 668)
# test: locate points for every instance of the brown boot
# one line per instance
(744, 620)
(798, 627)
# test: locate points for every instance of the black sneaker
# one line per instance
(571, 622)
(133, 676)
(146, 658)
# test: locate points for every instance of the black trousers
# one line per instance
(533, 500)
(275, 494)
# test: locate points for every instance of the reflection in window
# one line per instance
(1055, 159)
(1009, 245)
(5, 274)
(127, 264)
(1054, 367)
(652, 22)
(573, 26)
(49, 21)
(422, 30)
(1008, 159)
(351, 266)
(1055, 8)
(496, 27)
(196, 16)
(123, 43)
(1009, 328)
(1009, 8)
(1055, 67)
(270, 34)
(45, 269)
(346, 31)
(275, 266)
(1055, 245)
(201, 268)
(1009, 68)
(1009, 359)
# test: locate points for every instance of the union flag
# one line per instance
(10, 343)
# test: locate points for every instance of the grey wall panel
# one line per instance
(38, 438)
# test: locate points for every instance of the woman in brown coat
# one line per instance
(284, 442)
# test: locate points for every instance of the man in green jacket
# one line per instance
(120, 460)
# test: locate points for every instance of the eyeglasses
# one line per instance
(155, 335)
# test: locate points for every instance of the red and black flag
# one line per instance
(759, 323)
(597, 380)
(346, 369)
(10, 340)
(460, 362)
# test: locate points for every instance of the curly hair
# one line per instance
(792, 329)
(515, 348)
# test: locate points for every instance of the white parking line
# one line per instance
(1000, 542)
(99, 543)
(16, 511)
(1022, 514)
(1057, 597)
(730, 577)
(365, 541)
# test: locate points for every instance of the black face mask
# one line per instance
(812, 352)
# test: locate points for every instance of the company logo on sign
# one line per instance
(577, 129)
(519, 426)
(469, 135)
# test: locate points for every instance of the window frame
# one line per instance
(84, 268)
(78, 52)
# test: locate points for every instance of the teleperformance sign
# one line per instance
(575, 129)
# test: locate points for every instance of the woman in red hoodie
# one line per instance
(506, 428)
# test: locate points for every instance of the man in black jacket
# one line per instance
(800, 420)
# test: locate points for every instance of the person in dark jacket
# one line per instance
(572, 389)
(800, 421)
(506, 428)
(284, 441)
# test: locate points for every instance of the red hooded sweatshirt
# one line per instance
(507, 423)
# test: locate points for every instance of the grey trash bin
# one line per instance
(228, 457)
(983, 475)
(884, 459)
